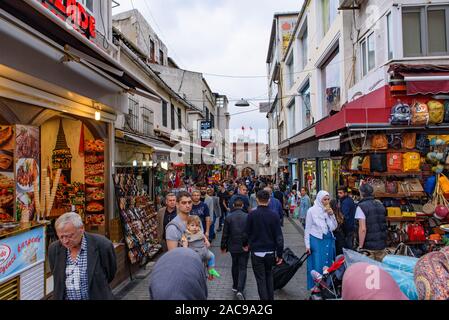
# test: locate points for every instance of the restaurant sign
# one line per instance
(75, 15)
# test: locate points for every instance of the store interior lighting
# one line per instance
(97, 115)
(144, 163)
(164, 165)
(135, 163)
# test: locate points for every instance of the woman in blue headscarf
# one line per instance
(318, 236)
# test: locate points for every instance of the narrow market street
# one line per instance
(220, 289)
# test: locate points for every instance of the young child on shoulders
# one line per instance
(194, 239)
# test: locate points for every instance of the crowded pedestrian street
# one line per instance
(238, 151)
(220, 288)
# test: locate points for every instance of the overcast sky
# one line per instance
(226, 37)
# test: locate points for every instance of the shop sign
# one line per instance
(206, 130)
(73, 13)
(20, 252)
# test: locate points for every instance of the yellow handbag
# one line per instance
(444, 184)
(411, 161)
(394, 212)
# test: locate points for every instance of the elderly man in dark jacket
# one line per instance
(82, 264)
(232, 241)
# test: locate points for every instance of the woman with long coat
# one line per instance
(318, 236)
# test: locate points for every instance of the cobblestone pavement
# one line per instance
(220, 289)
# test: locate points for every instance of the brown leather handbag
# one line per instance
(391, 187)
(379, 142)
(366, 164)
(409, 140)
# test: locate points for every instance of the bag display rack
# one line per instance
(398, 166)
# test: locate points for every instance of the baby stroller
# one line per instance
(328, 284)
(287, 269)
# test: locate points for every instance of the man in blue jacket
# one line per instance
(266, 243)
(243, 195)
(275, 205)
(348, 208)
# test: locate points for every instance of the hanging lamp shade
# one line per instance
(242, 103)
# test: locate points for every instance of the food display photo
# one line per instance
(6, 148)
(26, 156)
(6, 197)
(94, 182)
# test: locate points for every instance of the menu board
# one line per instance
(94, 181)
(27, 170)
(7, 185)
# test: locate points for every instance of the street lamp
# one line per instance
(242, 103)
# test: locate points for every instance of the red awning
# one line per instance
(371, 108)
(427, 83)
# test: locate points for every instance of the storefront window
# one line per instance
(309, 177)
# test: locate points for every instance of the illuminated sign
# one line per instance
(74, 14)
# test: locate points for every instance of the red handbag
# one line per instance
(415, 232)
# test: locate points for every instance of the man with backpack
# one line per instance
(178, 226)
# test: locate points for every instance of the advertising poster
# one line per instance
(7, 173)
(27, 170)
(20, 252)
(94, 181)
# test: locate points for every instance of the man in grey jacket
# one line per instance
(82, 264)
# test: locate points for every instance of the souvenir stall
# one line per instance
(407, 164)
(138, 215)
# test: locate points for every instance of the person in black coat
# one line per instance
(232, 241)
(83, 264)
(266, 242)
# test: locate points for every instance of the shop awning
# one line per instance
(370, 108)
(329, 144)
(427, 83)
(35, 15)
(155, 144)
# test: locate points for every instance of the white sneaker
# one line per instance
(234, 290)
(240, 296)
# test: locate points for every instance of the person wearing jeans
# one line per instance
(266, 243)
(232, 241)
